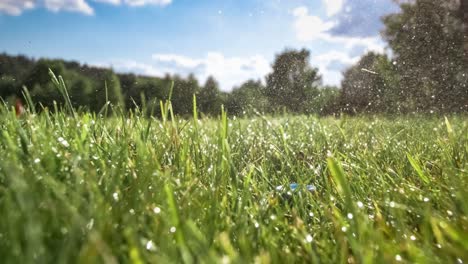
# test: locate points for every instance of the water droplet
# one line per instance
(350, 216)
(398, 258)
(150, 246)
(115, 196)
(157, 210)
(344, 229)
(256, 225)
(37, 160)
(412, 237)
(173, 229)
(426, 199)
(90, 224)
(309, 238)
(360, 204)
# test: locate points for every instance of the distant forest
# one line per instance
(427, 73)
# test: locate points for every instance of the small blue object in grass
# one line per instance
(294, 186)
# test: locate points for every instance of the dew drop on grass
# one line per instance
(309, 238)
(398, 258)
(450, 213)
(412, 237)
(90, 224)
(115, 196)
(459, 260)
(173, 229)
(150, 246)
(256, 225)
(37, 160)
(344, 229)
(426, 199)
(350, 216)
(157, 210)
(360, 204)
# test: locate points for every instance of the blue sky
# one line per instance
(233, 40)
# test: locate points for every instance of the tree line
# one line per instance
(427, 72)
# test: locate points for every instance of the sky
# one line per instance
(232, 40)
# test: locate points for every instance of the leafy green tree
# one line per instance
(107, 80)
(293, 81)
(182, 96)
(426, 38)
(80, 90)
(370, 86)
(209, 97)
(246, 99)
(326, 102)
(8, 86)
(39, 81)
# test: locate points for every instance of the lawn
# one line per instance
(132, 189)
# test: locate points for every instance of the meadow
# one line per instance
(77, 187)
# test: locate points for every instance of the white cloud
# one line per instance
(333, 6)
(112, 2)
(79, 6)
(147, 2)
(16, 7)
(309, 27)
(325, 63)
(180, 61)
(136, 2)
(228, 71)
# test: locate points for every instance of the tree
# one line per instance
(182, 95)
(39, 82)
(80, 89)
(427, 42)
(107, 80)
(370, 86)
(326, 102)
(293, 81)
(209, 97)
(247, 98)
(464, 18)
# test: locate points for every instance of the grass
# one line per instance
(82, 188)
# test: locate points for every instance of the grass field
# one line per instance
(79, 188)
